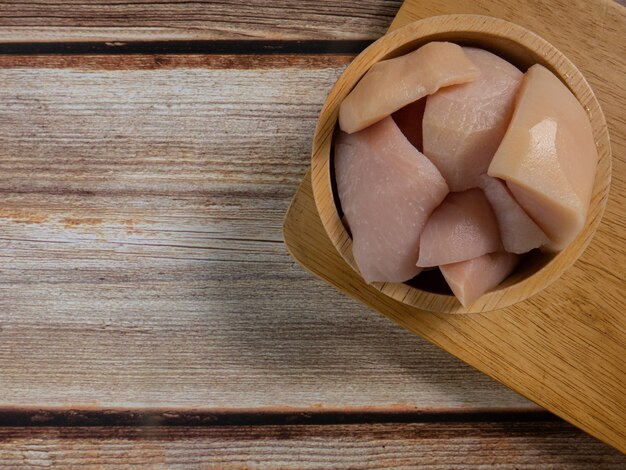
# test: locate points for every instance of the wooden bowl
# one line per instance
(522, 48)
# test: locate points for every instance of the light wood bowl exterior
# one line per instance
(521, 47)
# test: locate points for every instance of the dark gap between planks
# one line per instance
(164, 417)
(189, 47)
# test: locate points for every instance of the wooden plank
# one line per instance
(564, 347)
(504, 445)
(142, 259)
(116, 21)
(146, 20)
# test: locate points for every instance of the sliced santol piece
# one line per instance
(391, 84)
(471, 279)
(409, 120)
(387, 190)
(461, 228)
(518, 231)
(548, 156)
(464, 124)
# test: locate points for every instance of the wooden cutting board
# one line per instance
(564, 348)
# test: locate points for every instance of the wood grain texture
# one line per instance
(116, 21)
(564, 348)
(147, 20)
(503, 446)
(142, 256)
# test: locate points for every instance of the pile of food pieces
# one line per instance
(451, 157)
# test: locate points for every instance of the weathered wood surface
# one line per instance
(142, 255)
(146, 20)
(125, 20)
(200, 312)
(503, 446)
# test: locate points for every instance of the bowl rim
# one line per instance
(474, 29)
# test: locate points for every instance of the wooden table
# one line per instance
(149, 312)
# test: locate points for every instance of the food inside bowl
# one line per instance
(451, 157)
